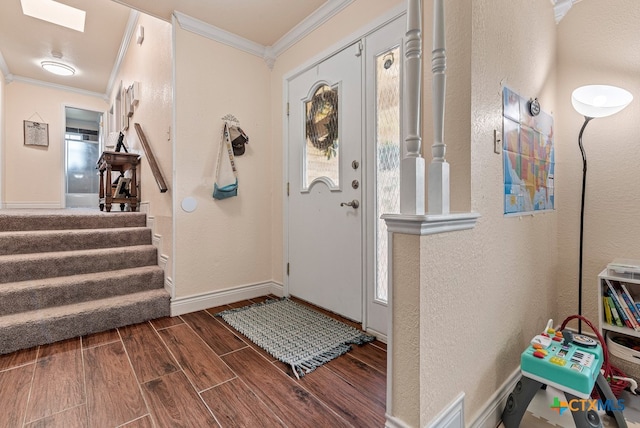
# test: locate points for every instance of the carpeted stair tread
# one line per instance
(68, 273)
(23, 267)
(24, 296)
(13, 220)
(64, 322)
(40, 241)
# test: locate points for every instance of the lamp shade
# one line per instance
(600, 100)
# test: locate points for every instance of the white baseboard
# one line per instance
(380, 336)
(156, 241)
(452, 416)
(168, 285)
(491, 414)
(33, 205)
(184, 305)
(163, 259)
(143, 207)
(393, 422)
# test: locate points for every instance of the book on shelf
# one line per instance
(614, 313)
(607, 310)
(630, 301)
(617, 313)
(623, 310)
(627, 305)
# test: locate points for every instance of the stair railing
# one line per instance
(157, 174)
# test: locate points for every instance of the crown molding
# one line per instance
(212, 32)
(268, 53)
(122, 52)
(4, 69)
(59, 87)
(310, 23)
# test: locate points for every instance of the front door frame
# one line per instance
(367, 241)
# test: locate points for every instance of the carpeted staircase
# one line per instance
(67, 273)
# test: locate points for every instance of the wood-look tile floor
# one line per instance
(187, 371)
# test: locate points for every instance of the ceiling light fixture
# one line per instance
(56, 13)
(58, 68)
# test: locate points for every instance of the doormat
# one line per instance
(294, 334)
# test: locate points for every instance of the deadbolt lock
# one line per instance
(355, 184)
(355, 164)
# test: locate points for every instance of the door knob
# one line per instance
(354, 204)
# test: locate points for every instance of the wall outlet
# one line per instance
(497, 141)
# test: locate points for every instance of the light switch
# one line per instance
(497, 141)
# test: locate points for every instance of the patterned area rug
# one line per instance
(294, 334)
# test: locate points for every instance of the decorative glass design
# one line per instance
(321, 154)
(388, 157)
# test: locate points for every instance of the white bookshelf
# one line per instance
(632, 283)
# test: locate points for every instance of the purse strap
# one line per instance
(226, 141)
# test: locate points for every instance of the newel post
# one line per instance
(413, 165)
(438, 168)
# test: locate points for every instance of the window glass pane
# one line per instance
(388, 156)
(82, 176)
(321, 154)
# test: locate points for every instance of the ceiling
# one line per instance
(26, 41)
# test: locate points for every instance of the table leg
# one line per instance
(133, 189)
(101, 190)
(108, 195)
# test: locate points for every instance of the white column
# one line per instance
(412, 177)
(438, 168)
(405, 271)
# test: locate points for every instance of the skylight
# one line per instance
(54, 12)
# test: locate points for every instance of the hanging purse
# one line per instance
(226, 183)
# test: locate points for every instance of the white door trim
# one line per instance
(101, 137)
(376, 24)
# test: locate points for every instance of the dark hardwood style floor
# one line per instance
(187, 371)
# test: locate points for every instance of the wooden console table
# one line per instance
(120, 162)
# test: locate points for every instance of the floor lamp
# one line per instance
(593, 101)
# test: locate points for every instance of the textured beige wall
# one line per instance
(605, 54)
(151, 64)
(405, 349)
(2, 180)
(227, 243)
(346, 23)
(457, 127)
(33, 175)
(486, 292)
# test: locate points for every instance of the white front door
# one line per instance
(325, 249)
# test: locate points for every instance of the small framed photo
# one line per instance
(36, 133)
(122, 189)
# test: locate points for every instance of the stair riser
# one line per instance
(15, 222)
(42, 331)
(62, 264)
(26, 243)
(45, 296)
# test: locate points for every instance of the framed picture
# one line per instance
(122, 189)
(128, 103)
(36, 133)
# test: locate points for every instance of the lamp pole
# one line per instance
(584, 182)
(593, 101)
